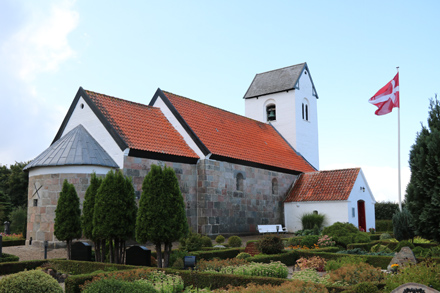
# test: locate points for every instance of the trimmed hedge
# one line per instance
(7, 268)
(384, 225)
(8, 258)
(8, 243)
(389, 244)
(220, 253)
(76, 267)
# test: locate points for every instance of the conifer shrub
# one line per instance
(220, 239)
(206, 241)
(335, 264)
(270, 244)
(234, 241)
(379, 248)
(403, 225)
(29, 281)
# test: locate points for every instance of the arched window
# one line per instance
(271, 112)
(305, 110)
(274, 186)
(240, 180)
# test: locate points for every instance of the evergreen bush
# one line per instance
(206, 241)
(385, 236)
(234, 241)
(403, 225)
(192, 242)
(384, 210)
(243, 255)
(384, 225)
(270, 244)
(220, 239)
(345, 233)
(366, 287)
(309, 241)
(29, 281)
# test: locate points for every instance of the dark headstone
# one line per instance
(189, 262)
(138, 256)
(81, 251)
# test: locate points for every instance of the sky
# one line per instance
(210, 51)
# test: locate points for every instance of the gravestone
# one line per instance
(81, 251)
(138, 256)
(189, 261)
(403, 257)
(414, 288)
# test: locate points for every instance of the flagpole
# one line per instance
(398, 145)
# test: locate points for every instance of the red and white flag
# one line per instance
(387, 97)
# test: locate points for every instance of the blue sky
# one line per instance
(210, 51)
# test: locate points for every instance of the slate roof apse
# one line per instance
(77, 147)
(234, 136)
(142, 127)
(323, 185)
(275, 81)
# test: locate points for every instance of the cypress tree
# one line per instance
(88, 211)
(114, 214)
(423, 190)
(67, 216)
(161, 216)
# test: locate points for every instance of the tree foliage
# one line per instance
(67, 216)
(114, 216)
(423, 190)
(161, 217)
(403, 225)
(88, 212)
(385, 210)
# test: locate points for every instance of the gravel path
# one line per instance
(29, 252)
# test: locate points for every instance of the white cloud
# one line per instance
(38, 43)
(41, 44)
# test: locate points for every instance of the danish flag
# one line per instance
(387, 97)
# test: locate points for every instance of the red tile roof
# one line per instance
(323, 185)
(230, 135)
(142, 127)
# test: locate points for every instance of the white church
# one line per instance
(235, 172)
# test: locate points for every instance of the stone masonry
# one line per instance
(40, 224)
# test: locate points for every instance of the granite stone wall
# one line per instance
(223, 209)
(40, 223)
(137, 168)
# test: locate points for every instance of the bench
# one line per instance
(271, 229)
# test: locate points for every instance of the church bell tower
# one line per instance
(287, 99)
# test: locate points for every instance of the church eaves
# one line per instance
(77, 147)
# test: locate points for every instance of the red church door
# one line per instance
(361, 216)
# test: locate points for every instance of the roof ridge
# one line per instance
(123, 100)
(344, 169)
(223, 110)
(281, 68)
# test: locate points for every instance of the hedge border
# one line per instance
(8, 243)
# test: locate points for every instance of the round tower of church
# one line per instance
(74, 157)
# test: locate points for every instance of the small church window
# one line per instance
(271, 112)
(353, 212)
(274, 186)
(35, 202)
(240, 180)
(305, 110)
(315, 212)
